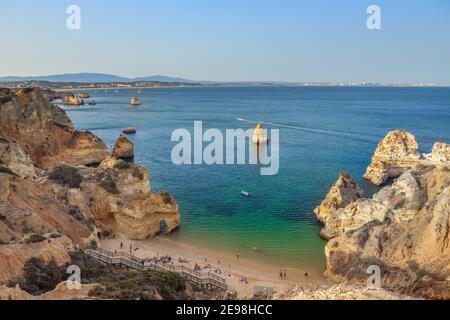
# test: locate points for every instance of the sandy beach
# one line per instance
(233, 268)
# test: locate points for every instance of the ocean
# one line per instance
(323, 131)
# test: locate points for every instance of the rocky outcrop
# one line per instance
(439, 154)
(83, 95)
(336, 292)
(71, 100)
(13, 256)
(118, 196)
(259, 135)
(135, 101)
(16, 160)
(47, 208)
(61, 292)
(129, 130)
(404, 229)
(123, 149)
(45, 133)
(341, 194)
(398, 152)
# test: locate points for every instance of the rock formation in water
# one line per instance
(404, 228)
(50, 201)
(135, 101)
(71, 100)
(84, 95)
(129, 130)
(259, 134)
(123, 148)
(398, 152)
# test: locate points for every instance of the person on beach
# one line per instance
(306, 273)
(284, 275)
(121, 245)
(237, 254)
(281, 274)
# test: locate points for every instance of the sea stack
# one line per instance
(259, 134)
(123, 149)
(71, 100)
(135, 101)
(92, 102)
(84, 95)
(129, 130)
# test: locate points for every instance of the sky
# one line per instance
(230, 40)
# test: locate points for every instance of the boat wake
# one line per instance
(368, 138)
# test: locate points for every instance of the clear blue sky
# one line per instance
(279, 40)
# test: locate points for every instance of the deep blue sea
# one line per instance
(323, 130)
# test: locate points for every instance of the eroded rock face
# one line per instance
(14, 256)
(120, 199)
(15, 159)
(43, 217)
(123, 149)
(440, 153)
(61, 292)
(342, 193)
(404, 229)
(398, 152)
(45, 133)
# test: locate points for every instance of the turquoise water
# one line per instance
(323, 130)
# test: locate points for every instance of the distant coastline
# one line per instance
(57, 86)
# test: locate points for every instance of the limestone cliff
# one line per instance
(342, 193)
(50, 201)
(45, 133)
(404, 228)
(398, 152)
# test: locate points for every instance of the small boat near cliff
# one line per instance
(246, 193)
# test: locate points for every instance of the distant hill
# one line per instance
(160, 78)
(92, 78)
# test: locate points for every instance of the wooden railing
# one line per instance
(206, 280)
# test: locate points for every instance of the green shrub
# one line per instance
(168, 280)
(66, 175)
(33, 238)
(93, 244)
(39, 277)
(121, 164)
(106, 233)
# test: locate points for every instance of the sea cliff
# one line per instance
(404, 228)
(60, 188)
